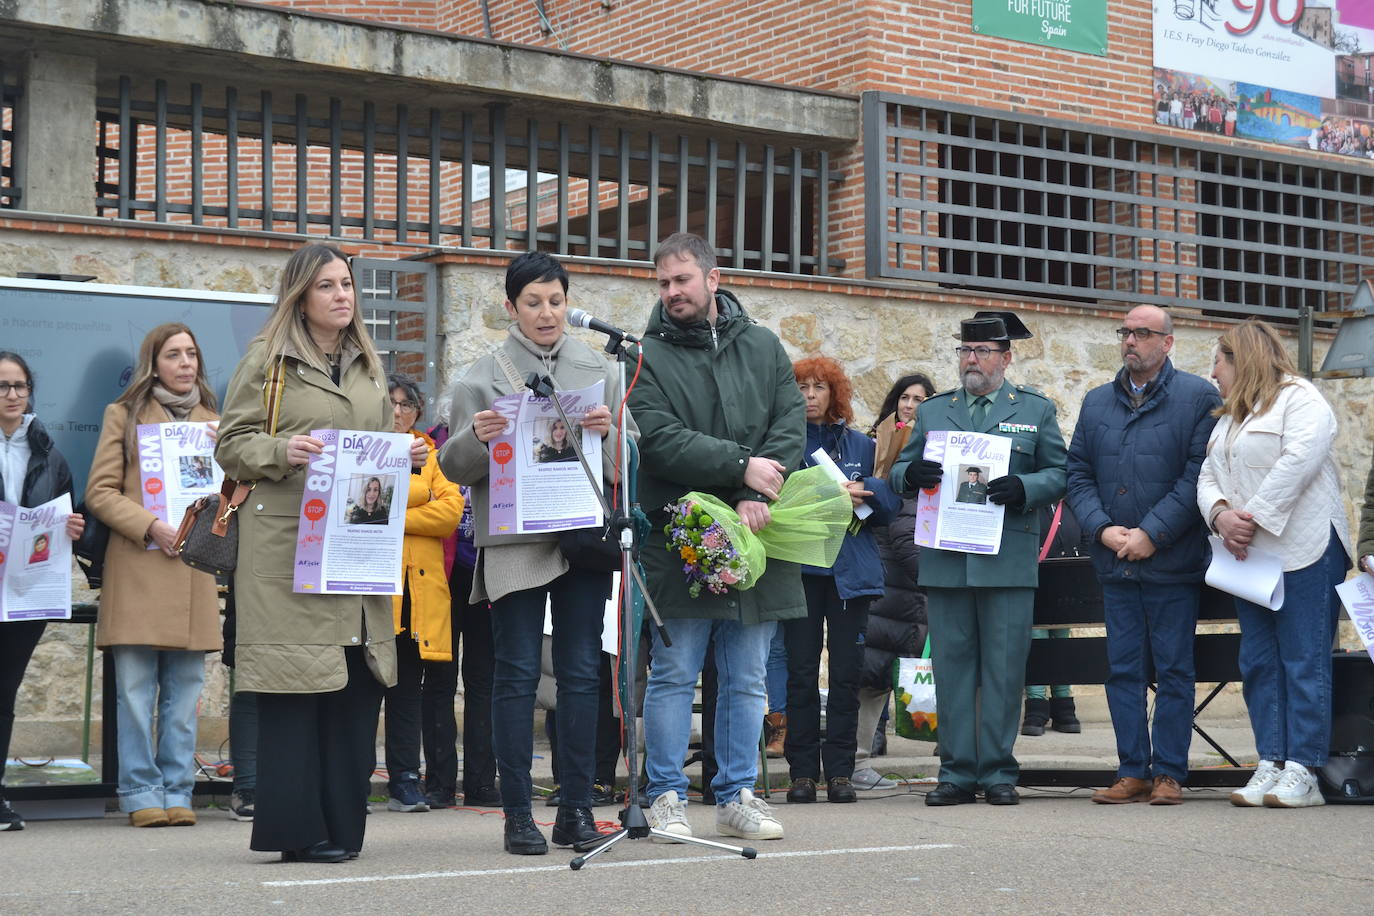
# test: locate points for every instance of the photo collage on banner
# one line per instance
(1294, 72)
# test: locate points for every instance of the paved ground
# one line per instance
(1055, 853)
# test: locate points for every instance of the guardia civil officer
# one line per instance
(980, 605)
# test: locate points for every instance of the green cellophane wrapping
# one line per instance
(809, 519)
(745, 542)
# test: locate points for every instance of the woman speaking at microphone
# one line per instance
(317, 662)
(520, 573)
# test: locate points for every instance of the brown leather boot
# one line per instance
(1126, 790)
(775, 725)
(1166, 791)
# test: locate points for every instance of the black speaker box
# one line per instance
(1348, 777)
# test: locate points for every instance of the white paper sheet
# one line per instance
(825, 461)
(1258, 578)
(955, 516)
(35, 561)
(1357, 595)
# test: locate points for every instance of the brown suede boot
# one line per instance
(775, 731)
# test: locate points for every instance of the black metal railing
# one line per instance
(10, 92)
(997, 200)
(319, 165)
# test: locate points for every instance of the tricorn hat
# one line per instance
(982, 329)
(1015, 329)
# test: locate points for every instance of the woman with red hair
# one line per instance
(837, 598)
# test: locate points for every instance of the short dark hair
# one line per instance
(408, 385)
(28, 374)
(533, 267)
(685, 244)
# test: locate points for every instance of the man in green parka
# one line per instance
(980, 605)
(719, 412)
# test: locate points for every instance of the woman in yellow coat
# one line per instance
(423, 621)
(158, 617)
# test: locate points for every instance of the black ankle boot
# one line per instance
(1064, 716)
(522, 837)
(1037, 717)
(576, 827)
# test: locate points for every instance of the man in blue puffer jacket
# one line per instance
(837, 598)
(1132, 481)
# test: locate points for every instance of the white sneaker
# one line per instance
(748, 818)
(866, 778)
(1252, 795)
(1296, 788)
(669, 814)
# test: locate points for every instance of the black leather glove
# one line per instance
(1007, 491)
(923, 474)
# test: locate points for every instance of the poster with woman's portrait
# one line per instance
(367, 499)
(551, 440)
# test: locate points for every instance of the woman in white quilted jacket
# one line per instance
(1270, 483)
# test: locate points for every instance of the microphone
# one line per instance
(583, 319)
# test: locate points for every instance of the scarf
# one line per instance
(178, 405)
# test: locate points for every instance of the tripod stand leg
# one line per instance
(748, 852)
(577, 863)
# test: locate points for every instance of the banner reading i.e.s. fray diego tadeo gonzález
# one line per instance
(1074, 25)
(1295, 72)
(351, 528)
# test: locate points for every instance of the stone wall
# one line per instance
(879, 332)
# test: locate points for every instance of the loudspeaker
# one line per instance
(1348, 776)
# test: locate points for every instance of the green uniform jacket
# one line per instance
(707, 401)
(1038, 457)
(290, 643)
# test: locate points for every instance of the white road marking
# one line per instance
(598, 864)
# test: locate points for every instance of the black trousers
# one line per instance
(845, 620)
(471, 627)
(17, 642)
(316, 753)
(402, 703)
(607, 728)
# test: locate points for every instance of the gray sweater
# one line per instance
(513, 562)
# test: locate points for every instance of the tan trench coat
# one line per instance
(148, 598)
(290, 643)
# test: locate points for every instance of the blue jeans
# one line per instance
(1285, 662)
(166, 682)
(1149, 621)
(741, 664)
(243, 739)
(777, 673)
(578, 599)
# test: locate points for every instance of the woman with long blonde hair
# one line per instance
(1270, 482)
(158, 617)
(318, 663)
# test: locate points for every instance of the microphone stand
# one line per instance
(633, 824)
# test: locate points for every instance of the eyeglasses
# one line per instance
(405, 405)
(1140, 333)
(20, 389)
(980, 352)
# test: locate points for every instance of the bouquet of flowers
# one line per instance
(719, 552)
(705, 533)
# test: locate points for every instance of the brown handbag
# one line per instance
(208, 538)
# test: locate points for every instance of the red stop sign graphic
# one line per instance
(153, 486)
(314, 511)
(503, 453)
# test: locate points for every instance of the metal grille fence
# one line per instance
(996, 200)
(10, 192)
(313, 165)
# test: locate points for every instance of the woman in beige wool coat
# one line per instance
(158, 617)
(318, 663)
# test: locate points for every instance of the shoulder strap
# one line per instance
(1054, 529)
(517, 383)
(272, 395)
